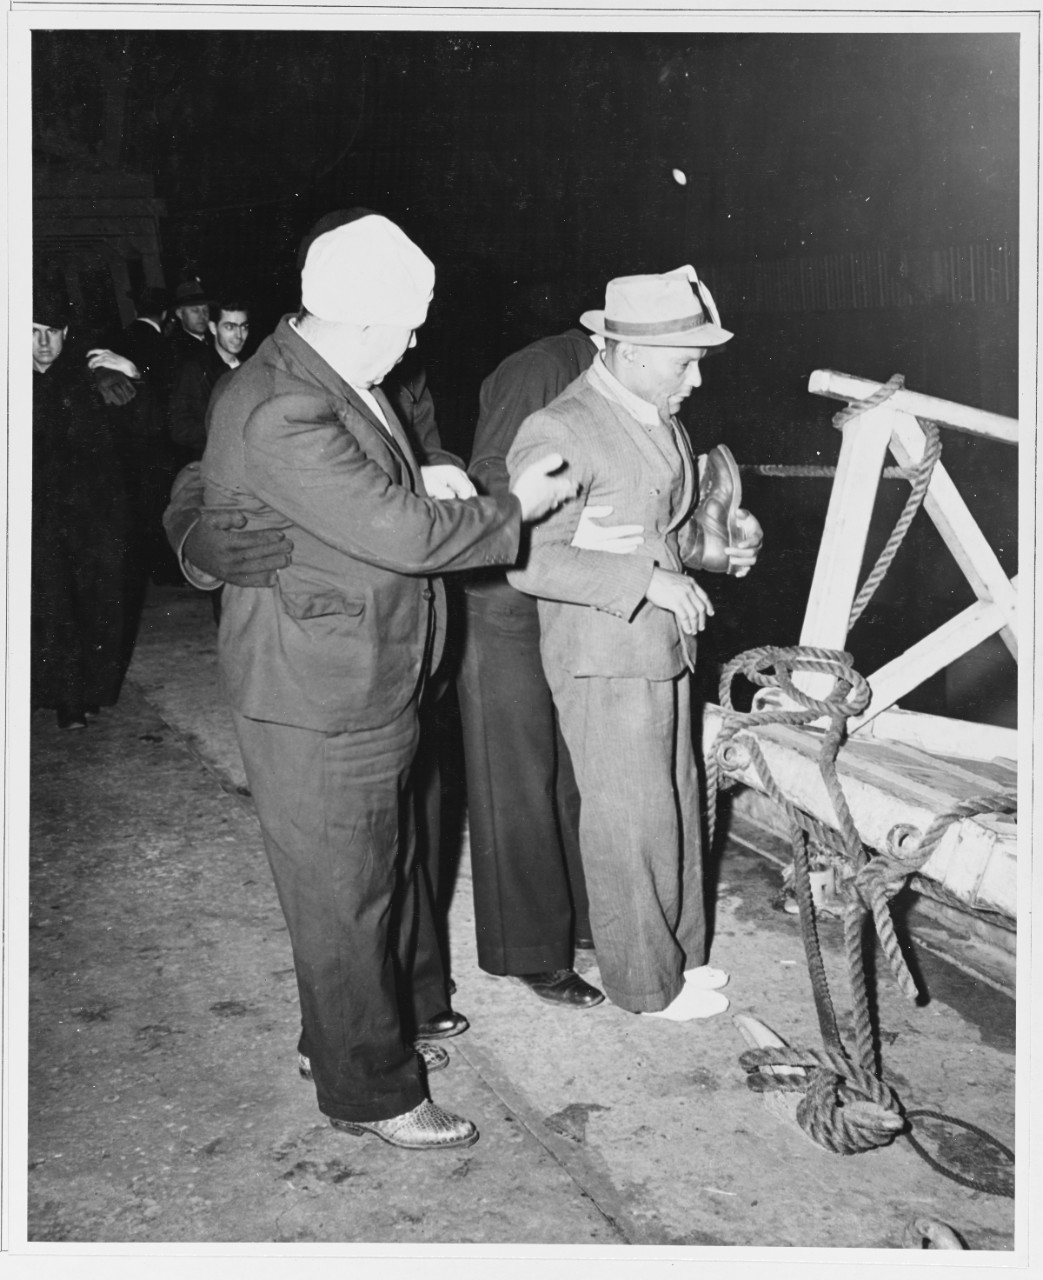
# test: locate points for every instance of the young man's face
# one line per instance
(47, 345)
(194, 319)
(230, 330)
(664, 376)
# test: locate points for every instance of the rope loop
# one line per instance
(844, 1109)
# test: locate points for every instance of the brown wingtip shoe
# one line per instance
(720, 518)
(425, 1128)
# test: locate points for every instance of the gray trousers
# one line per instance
(632, 751)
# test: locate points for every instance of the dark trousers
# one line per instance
(632, 746)
(431, 952)
(522, 800)
(336, 812)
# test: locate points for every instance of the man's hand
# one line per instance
(541, 487)
(743, 552)
(220, 546)
(114, 387)
(741, 560)
(682, 597)
(447, 481)
(621, 539)
(102, 358)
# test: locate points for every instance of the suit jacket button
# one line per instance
(653, 493)
(427, 593)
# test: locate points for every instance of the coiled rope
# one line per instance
(847, 1108)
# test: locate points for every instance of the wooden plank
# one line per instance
(969, 546)
(922, 660)
(943, 736)
(976, 859)
(842, 548)
(961, 417)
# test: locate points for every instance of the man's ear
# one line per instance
(212, 327)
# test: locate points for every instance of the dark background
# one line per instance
(852, 201)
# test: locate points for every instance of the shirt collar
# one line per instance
(609, 385)
(149, 320)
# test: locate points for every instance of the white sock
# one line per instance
(709, 979)
(691, 1002)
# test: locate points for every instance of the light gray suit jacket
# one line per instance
(594, 619)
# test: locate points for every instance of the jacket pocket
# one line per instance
(303, 605)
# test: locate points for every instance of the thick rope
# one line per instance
(810, 471)
(876, 881)
(846, 1107)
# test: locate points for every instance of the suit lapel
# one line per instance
(399, 437)
(688, 463)
(392, 437)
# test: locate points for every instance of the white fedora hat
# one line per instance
(674, 309)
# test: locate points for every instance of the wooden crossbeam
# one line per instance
(960, 417)
(969, 546)
(933, 653)
(850, 510)
(866, 438)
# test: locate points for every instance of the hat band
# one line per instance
(629, 328)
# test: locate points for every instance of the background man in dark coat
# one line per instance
(79, 526)
(199, 371)
(530, 898)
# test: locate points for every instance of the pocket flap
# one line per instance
(319, 604)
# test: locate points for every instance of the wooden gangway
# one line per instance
(899, 769)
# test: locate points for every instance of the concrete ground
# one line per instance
(164, 1100)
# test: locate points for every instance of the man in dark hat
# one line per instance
(618, 634)
(201, 369)
(79, 526)
(192, 308)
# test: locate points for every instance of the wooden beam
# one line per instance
(842, 547)
(961, 417)
(969, 546)
(922, 660)
(943, 736)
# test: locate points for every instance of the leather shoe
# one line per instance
(434, 1058)
(447, 1024)
(720, 521)
(425, 1128)
(563, 986)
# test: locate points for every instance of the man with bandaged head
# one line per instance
(324, 669)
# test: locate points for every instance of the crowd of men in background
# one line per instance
(112, 425)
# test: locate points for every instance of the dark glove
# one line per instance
(219, 544)
(114, 387)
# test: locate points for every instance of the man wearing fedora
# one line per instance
(325, 668)
(192, 308)
(618, 633)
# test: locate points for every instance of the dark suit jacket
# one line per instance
(344, 638)
(594, 619)
(196, 378)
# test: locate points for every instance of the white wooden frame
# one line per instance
(866, 439)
